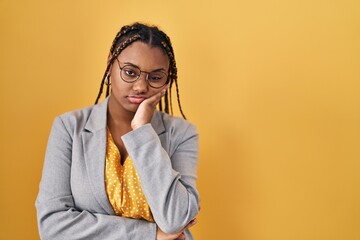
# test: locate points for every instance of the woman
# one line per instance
(121, 169)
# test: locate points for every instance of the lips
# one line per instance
(136, 99)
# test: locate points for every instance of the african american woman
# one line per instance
(123, 169)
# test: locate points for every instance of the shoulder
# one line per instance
(171, 121)
(77, 116)
(176, 126)
(91, 118)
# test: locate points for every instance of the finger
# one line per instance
(163, 92)
(158, 98)
(155, 99)
(190, 224)
(166, 87)
(181, 237)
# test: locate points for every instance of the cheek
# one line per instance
(114, 74)
(119, 87)
(116, 82)
(115, 85)
(153, 91)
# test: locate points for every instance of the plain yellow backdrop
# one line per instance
(273, 87)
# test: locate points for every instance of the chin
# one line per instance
(132, 108)
(124, 105)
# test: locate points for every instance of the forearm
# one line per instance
(171, 194)
(58, 219)
(59, 215)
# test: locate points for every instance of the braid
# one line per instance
(126, 43)
(155, 38)
(114, 55)
(160, 106)
(178, 99)
(108, 85)
(123, 31)
(166, 99)
(173, 75)
(170, 100)
(102, 83)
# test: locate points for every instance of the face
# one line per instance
(126, 97)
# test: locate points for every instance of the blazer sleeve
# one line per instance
(57, 215)
(168, 180)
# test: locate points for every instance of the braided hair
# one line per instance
(155, 38)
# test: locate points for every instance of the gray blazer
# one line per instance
(72, 201)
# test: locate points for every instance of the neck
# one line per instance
(117, 116)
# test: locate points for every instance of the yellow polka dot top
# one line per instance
(123, 185)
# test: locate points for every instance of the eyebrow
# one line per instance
(134, 65)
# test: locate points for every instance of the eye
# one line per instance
(130, 72)
(156, 76)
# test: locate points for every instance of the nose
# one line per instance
(141, 85)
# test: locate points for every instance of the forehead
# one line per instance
(144, 56)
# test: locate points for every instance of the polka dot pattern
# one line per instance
(123, 185)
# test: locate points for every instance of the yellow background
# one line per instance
(273, 86)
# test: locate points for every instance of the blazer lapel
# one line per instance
(94, 143)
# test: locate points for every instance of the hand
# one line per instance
(160, 235)
(146, 109)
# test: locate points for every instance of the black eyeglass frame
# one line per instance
(139, 75)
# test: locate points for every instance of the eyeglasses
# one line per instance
(130, 74)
